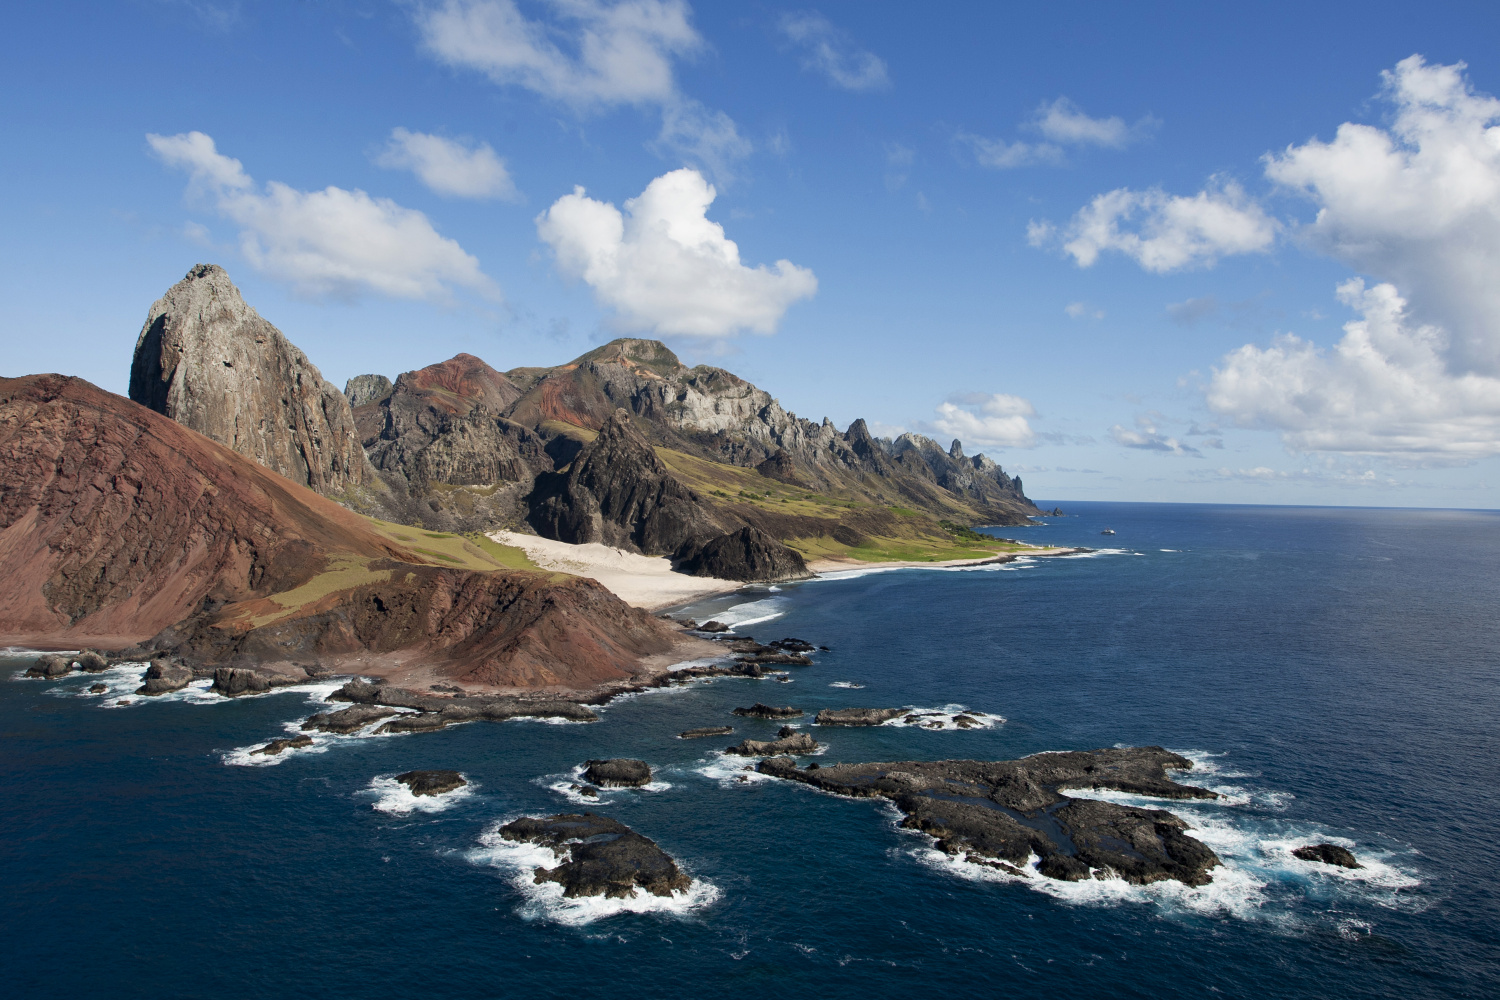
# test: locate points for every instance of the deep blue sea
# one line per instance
(1335, 672)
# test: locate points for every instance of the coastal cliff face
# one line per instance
(208, 361)
(119, 527)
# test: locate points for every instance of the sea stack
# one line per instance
(210, 362)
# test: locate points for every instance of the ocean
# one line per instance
(1334, 672)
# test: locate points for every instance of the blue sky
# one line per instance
(1191, 253)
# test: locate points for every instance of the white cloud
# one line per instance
(449, 167)
(1418, 204)
(998, 154)
(703, 136)
(1416, 377)
(1064, 122)
(663, 267)
(1383, 389)
(1082, 310)
(624, 51)
(1163, 232)
(828, 50)
(328, 242)
(1146, 436)
(986, 420)
(612, 54)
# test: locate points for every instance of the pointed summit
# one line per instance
(635, 353)
(208, 361)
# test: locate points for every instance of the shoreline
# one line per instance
(650, 583)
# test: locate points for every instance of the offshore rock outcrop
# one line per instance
(621, 772)
(210, 362)
(600, 856)
(432, 782)
(856, 716)
(999, 813)
(787, 741)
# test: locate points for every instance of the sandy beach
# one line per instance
(640, 581)
(649, 581)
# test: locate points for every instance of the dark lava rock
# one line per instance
(436, 712)
(50, 665)
(276, 746)
(163, 677)
(995, 812)
(232, 681)
(347, 720)
(748, 554)
(98, 688)
(792, 645)
(713, 626)
(787, 741)
(694, 734)
(778, 659)
(752, 670)
(856, 716)
(91, 661)
(759, 711)
(431, 782)
(1328, 854)
(600, 856)
(620, 772)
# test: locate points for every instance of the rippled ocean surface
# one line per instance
(1335, 672)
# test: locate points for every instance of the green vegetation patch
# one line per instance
(473, 551)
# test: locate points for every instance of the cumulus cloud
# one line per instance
(1385, 388)
(662, 266)
(1082, 310)
(328, 242)
(449, 167)
(830, 51)
(1065, 123)
(994, 420)
(1416, 376)
(1417, 204)
(612, 54)
(1163, 232)
(1147, 436)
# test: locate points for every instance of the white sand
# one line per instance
(641, 581)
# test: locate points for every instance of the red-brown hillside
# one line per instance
(117, 523)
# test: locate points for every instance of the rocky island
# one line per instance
(600, 856)
(1000, 813)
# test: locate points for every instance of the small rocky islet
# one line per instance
(599, 856)
(432, 782)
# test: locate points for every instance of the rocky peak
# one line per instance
(364, 389)
(207, 360)
(460, 385)
(652, 355)
(956, 452)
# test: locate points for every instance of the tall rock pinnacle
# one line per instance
(211, 363)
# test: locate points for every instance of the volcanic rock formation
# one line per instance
(600, 856)
(1000, 813)
(211, 363)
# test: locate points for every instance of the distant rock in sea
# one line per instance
(618, 773)
(432, 782)
(211, 363)
(1328, 854)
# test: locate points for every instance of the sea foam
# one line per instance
(395, 798)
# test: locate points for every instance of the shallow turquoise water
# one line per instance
(1336, 672)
